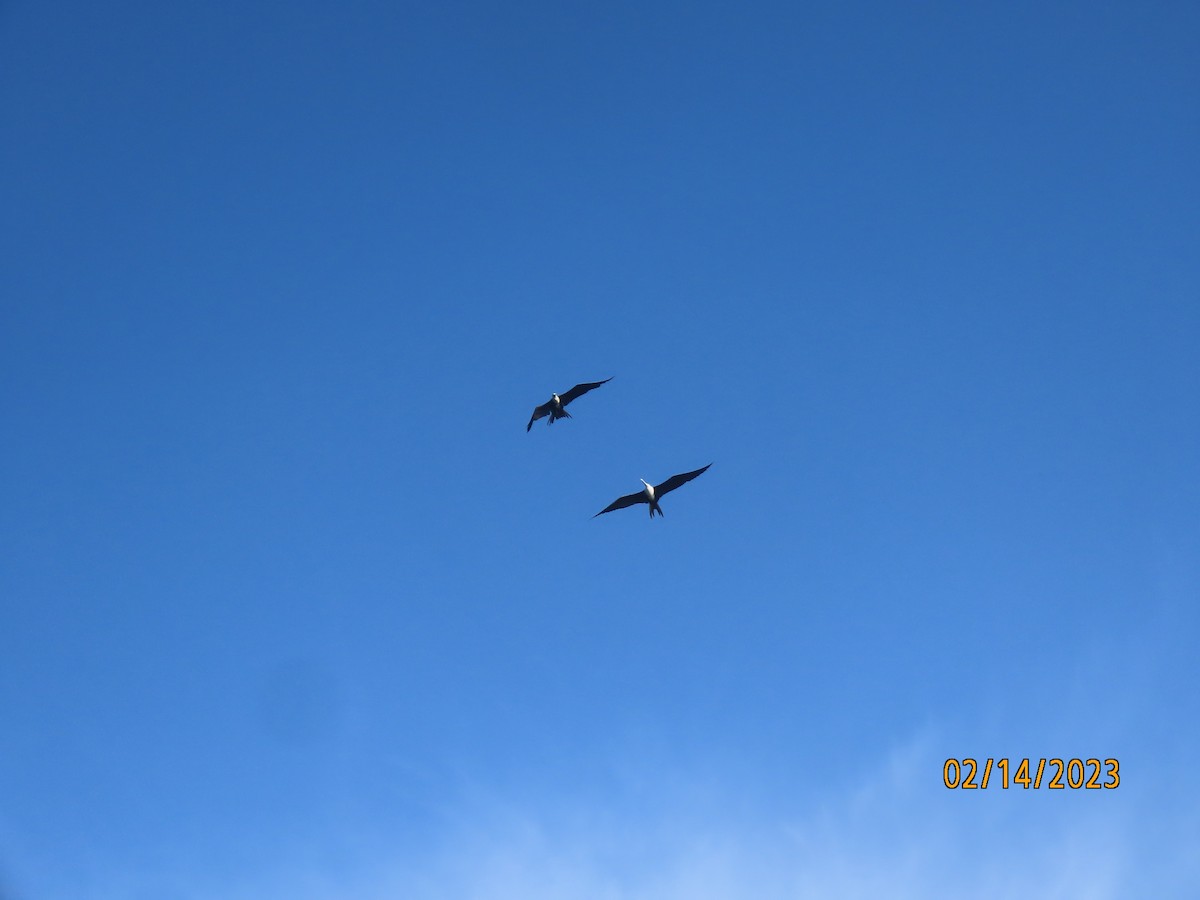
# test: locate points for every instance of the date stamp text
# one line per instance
(1053, 774)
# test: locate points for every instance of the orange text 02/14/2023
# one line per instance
(1090, 774)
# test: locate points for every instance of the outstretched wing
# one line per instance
(622, 502)
(676, 480)
(580, 389)
(538, 412)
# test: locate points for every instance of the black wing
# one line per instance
(676, 480)
(538, 412)
(622, 502)
(579, 390)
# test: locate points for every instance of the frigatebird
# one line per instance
(554, 407)
(652, 493)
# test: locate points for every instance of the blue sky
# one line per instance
(293, 606)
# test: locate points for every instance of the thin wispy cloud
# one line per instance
(895, 832)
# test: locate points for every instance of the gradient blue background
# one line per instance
(293, 606)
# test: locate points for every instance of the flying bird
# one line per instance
(555, 406)
(652, 493)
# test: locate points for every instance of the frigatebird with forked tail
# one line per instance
(555, 406)
(652, 493)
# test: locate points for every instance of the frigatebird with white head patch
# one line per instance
(652, 493)
(555, 406)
